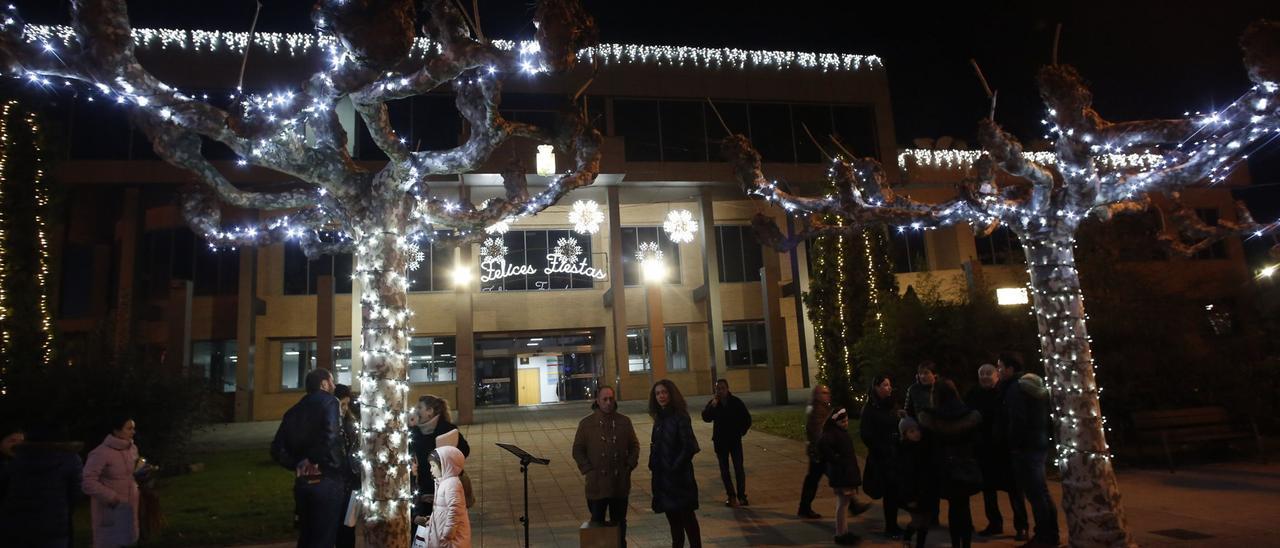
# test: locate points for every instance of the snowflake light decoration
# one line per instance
(649, 251)
(680, 226)
(492, 249)
(416, 256)
(568, 250)
(500, 227)
(586, 217)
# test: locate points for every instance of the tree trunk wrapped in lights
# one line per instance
(380, 215)
(1044, 205)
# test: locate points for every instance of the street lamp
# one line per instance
(654, 271)
(461, 275)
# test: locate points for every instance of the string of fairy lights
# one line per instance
(302, 44)
(41, 194)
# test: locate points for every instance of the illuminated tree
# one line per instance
(381, 215)
(1044, 203)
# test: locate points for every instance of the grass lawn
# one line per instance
(240, 497)
(788, 422)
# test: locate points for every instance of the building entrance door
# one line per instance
(537, 368)
(529, 387)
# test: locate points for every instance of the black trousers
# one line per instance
(959, 520)
(991, 503)
(617, 509)
(320, 505)
(724, 452)
(346, 535)
(684, 523)
(810, 489)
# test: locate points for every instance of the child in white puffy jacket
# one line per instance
(449, 526)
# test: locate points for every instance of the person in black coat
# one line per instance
(433, 422)
(671, 450)
(952, 428)
(349, 412)
(731, 422)
(915, 482)
(843, 475)
(878, 429)
(309, 442)
(992, 451)
(44, 483)
(1026, 407)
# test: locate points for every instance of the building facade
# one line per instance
(544, 314)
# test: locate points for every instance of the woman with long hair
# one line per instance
(671, 451)
(815, 415)
(878, 429)
(433, 428)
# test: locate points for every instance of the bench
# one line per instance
(1193, 425)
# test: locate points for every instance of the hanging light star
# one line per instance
(586, 217)
(680, 226)
(500, 227)
(649, 251)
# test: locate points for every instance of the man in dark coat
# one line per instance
(992, 452)
(309, 441)
(731, 422)
(919, 393)
(1026, 406)
(606, 450)
(44, 483)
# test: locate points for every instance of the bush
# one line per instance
(79, 403)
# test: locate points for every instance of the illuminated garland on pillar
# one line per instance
(40, 193)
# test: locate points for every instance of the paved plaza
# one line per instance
(1228, 504)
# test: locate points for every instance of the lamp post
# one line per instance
(654, 271)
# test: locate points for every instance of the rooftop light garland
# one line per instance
(1044, 208)
(302, 44)
(381, 215)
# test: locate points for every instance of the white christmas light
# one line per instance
(546, 160)
(567, 249)
(680, 226)
(492, 249)
(586, 217)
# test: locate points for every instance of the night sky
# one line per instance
(1144, 59)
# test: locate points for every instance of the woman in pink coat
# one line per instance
(113, 493)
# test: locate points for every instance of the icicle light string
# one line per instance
(301, 44)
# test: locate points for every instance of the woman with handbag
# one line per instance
(434, 428)
(953, 427)
(878, 429)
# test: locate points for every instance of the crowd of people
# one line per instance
(935, 446)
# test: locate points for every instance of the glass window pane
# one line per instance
(734, 115)
(630, 266)
(637, 340)
(771, 132)
(342, 273)
(730, 253)
(855, 126)
(817, 119)
(683, 138)
(637, 122)
(296, 359)
(759, 344)
(342, 360)
(677, 348)
(752, 255)
(295, 269)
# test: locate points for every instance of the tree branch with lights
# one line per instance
(1044, 202)
(381, 215)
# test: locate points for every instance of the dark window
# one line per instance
(734, 116)
(771, 132)
(683, 135)
(176, 254)
(531, 248)
(302, 276)
(99, 130)
(77, 281)
(745, 344)
(855, 127)
(740, 254)
(434, 271)
(817, 119)
(217, 271)
(632, 237)
(636, 121)
(907, 249)
(216, 361)
(1000, 248)
(677, 349)
(1218, 250)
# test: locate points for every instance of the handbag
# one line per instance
(964, 474)
(466, 488)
